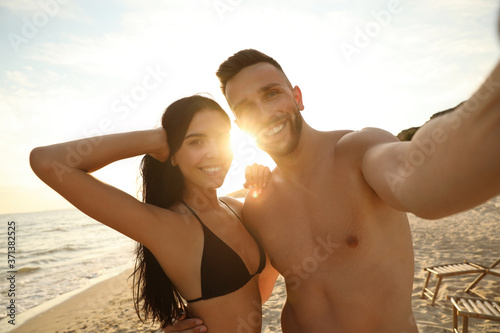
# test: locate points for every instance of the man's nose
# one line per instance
(261, 115)
(264, 111)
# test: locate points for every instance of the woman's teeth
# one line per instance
(212, 169)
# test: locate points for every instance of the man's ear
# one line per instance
(297, 94)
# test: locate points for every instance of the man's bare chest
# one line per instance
(305, 226)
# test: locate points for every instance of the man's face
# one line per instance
(267, 107)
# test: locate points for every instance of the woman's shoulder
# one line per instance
(234, 203)
(175, 218)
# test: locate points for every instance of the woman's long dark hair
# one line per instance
(163, 186)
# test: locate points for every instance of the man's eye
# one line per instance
(272, 93)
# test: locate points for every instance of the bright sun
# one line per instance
(245, 153)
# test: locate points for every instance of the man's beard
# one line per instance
(296, 121)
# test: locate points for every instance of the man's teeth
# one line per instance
(275, 129)
(212, 169)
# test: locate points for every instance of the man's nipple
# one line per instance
(352, 241)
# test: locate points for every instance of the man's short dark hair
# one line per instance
(244, 58)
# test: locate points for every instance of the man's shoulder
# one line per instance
(334, 136)
(366, 137)
(353, 146)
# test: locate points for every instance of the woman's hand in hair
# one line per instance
(162, 150)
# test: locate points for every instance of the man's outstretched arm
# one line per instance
(451, 164)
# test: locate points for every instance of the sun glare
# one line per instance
(244, 147)
(238, 136)
(245, 153)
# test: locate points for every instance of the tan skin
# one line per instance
(173, 235)
(339, 198)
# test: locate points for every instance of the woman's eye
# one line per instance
(196, 142)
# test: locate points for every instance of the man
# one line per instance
(332, 218)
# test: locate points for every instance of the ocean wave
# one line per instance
(27, 270)
(91, 276)
(58, 229)
(61, 252)
(68, 248)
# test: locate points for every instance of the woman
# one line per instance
(202, 251)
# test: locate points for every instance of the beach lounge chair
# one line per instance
(446, 270)
(495, 272)
(492, 270)
(465, 267)
(472, 307)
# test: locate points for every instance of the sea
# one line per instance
(47, 256)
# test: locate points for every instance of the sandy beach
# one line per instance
(473, 235)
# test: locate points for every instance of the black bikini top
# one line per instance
(222, 269)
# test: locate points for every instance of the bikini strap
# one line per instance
(192, 212)
(231, 210)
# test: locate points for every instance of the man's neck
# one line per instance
(304, 158)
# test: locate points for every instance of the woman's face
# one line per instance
(205, 154)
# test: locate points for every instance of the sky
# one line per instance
(71, 69)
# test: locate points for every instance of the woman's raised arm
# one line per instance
(66, 168)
